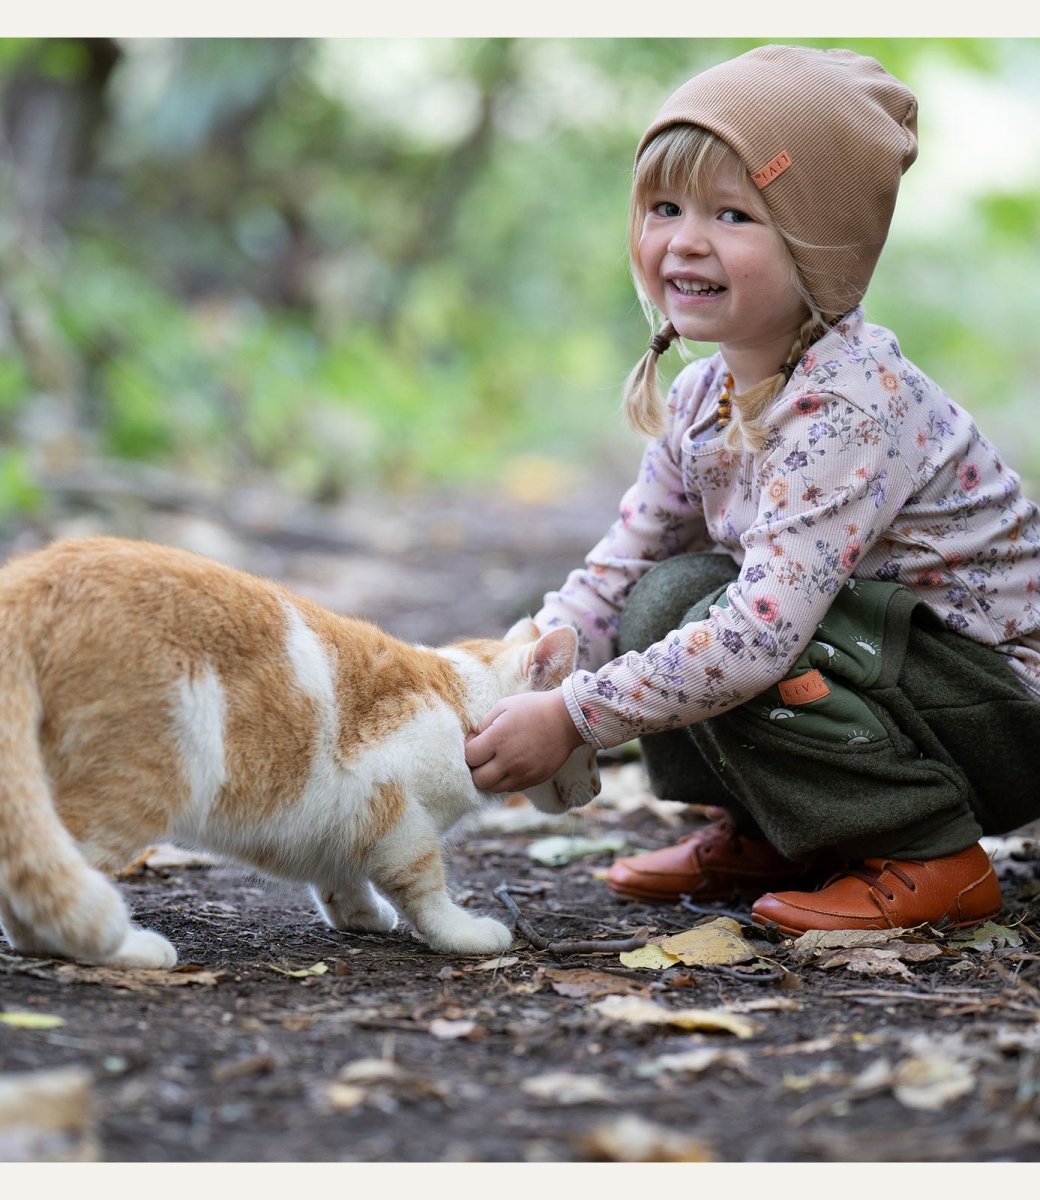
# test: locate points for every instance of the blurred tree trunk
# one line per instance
(50, 120)
(51, 116)
(452, 175)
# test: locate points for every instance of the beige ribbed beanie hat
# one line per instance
(826, 136)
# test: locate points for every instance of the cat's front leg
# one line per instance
(355, 905)
(411, 872)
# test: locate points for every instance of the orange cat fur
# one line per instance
(149, 693)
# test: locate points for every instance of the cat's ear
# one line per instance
(525, 630)
(551, 659)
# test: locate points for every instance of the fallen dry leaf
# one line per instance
(46, 1116)
(447, 1031)
(875, 1077)
(379, 1079)
(191, 976)
(492, 964)
(139, 979)
(803, 1081)
(987, 937)
(812, 944)
(559, 850)
(717, 942)
(30, 1020)
(370, 1070)
(632, 1139)
(882, 960)
(319, 968)
(694, 1062)
(813, 1046)
(868, 961)
(648, 958)
(714, 943)
(634, 1010)
(158, 858)
(766, 1004)
(583, 983)
(241, 1068)
(931, 1083)
(564, 1087)
(344, 1096)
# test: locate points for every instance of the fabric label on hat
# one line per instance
(804, 688)
(765, 175)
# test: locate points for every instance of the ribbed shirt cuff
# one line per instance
(577, 716)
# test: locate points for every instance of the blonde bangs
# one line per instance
(683, 158)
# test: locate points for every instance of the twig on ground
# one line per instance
(704, 911)
(771, 975)
(973, 1001)
(565, 945)
(16, 965)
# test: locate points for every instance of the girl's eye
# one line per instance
(665, 208)
(734, 216)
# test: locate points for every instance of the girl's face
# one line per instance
(714, 265)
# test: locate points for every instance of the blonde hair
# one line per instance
(682, 158)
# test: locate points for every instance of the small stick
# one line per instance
(565, 945)
(704, 911)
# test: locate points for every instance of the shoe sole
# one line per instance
(789, 932)
(675, 897)
(734, 893)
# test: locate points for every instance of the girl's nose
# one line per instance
(689, 236)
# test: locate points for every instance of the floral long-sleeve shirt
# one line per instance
(868, 470)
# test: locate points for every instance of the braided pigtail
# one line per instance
(641, 400)
(747, 431)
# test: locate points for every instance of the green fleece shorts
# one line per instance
(891, 735)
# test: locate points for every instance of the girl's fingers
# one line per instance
(478, 750)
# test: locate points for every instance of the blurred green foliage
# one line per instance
(358, 263)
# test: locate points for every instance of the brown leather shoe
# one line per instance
(714, 863)
(957, 890)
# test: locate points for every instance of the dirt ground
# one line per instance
(279, 1040)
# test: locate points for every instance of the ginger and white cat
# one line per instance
(148, 693)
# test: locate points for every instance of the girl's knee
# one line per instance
(663, 597)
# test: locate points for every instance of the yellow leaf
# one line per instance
(648, 958)
(319, 968)
(636, 1011)
(27, 1020)
(344, 1095)
(717, 942)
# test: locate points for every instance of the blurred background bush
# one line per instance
(357, 264)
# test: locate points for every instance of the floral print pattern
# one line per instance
(868, 470)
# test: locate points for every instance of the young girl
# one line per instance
(818, 608)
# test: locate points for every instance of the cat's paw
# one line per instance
(368, 913)
(471, 935)
(142, 948)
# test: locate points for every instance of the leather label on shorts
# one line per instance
(803, 689)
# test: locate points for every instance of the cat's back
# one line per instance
(137, 596)
(103, 614)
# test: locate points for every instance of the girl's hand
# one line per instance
(522, 741)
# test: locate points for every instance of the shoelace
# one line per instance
(721, 831)
(872, 876)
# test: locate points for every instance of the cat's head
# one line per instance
(545, 662)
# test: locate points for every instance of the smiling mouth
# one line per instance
(690, 287)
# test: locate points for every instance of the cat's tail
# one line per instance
(52, 901)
